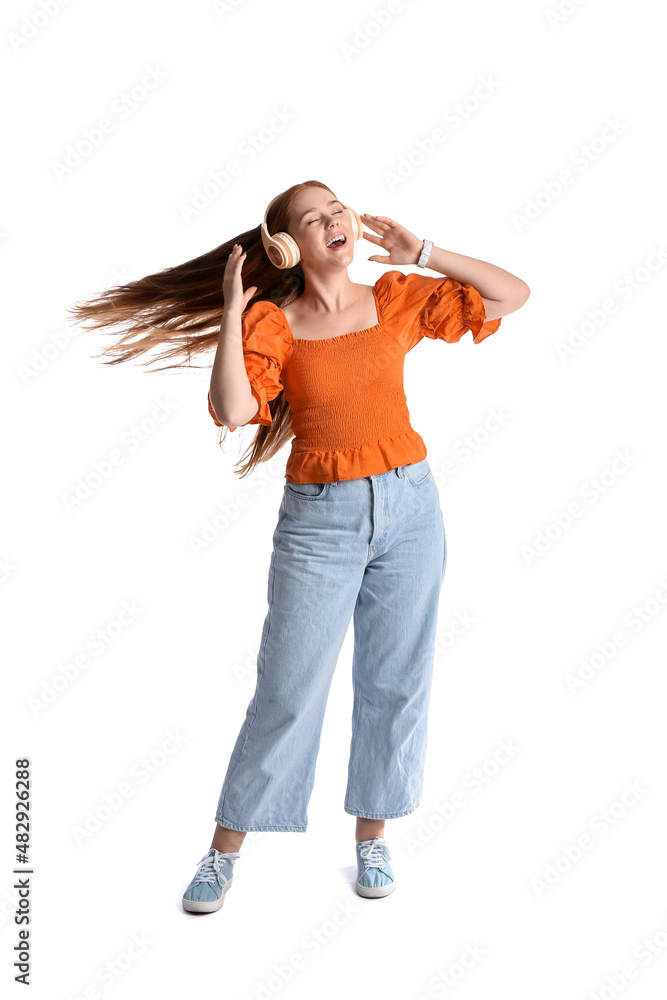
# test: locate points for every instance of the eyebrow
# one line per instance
(333, 201)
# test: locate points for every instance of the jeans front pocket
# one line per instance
(419, 472)
(307, 491)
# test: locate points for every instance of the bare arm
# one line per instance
(501, 291)
(231, 396)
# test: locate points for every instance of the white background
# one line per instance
(362, 97)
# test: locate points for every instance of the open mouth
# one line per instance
(338, 243)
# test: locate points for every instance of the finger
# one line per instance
(372, 238)
(386, 220)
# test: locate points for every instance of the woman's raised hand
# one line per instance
(232, 286)
(402, 245)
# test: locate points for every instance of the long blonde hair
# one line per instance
(182, 307)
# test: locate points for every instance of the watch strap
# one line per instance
(424, 255)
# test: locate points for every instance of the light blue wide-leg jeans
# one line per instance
(372, 549)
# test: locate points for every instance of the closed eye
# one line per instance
(338, 212)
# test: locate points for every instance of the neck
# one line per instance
(327, 291)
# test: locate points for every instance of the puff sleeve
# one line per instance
(414, 306)
(267, 347)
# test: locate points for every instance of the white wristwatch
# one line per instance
(424, 255)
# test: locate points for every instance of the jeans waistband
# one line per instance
(399, 471)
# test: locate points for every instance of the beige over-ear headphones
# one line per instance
(287, 246)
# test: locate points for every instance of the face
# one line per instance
(317, 217)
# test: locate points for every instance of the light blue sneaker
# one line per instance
(376, 877)
(214, 876)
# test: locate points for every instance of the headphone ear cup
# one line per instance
(290, 249)
(287, 247)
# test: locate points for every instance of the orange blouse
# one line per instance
(349, 412)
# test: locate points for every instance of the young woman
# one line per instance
(317, 359)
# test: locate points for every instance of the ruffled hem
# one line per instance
(472, 314)
(371, 459)
(263, 415)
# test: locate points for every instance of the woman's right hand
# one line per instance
(235, 298)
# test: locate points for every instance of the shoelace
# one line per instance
(209, 868)
(372, 854)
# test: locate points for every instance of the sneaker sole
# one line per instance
(373, 891)
(206, 905)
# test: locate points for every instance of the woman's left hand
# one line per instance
(403, 246)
